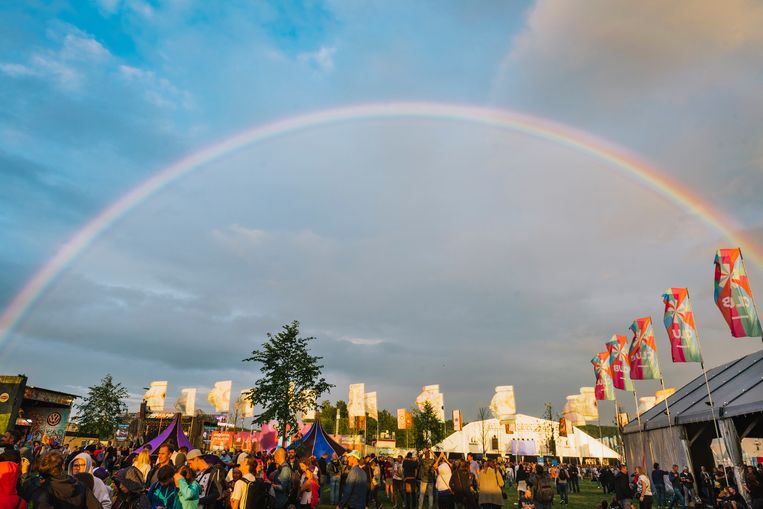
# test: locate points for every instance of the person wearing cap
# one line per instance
(209, 479)
(356, 485)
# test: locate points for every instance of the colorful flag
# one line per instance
(679, 322)
(733, 295)
(562, 427)
(604, 388)
(618, 362)
(642, 356)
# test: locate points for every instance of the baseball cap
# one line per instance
(193, 453)
(242, 458)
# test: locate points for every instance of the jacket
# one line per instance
(100, 490)
(490, 485)
(187, 495)
(162, 496)
(334, 469)
(9, 477)
(59, 493)
(355, 489)
(282, 485)
(135, 498)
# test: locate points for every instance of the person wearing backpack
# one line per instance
(543, 488)
(239, 499)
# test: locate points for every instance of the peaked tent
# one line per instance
(173, 432)
(317, 442)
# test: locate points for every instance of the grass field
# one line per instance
(588, 497)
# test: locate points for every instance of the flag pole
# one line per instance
(640, 430)
(617, 423)
(601, 444)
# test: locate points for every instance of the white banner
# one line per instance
(573, 410)
(457, 422)
(432, 395)
(244, 407)
(186, 403)
(371, 405)
(356, 404)
(310, 413)
(219, 396)
(155, 396)
(503, 404)
(588, 408)
(401, 418)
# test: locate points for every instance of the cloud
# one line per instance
(322, 60)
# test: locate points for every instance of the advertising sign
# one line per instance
(48, 423)
(11, 389)
(221, 440)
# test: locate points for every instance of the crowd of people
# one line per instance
(40, 476)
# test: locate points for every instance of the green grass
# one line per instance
(588, 497)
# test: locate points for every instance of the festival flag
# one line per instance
(431, 394)
(457, 422)
(562, 427)
(588, 407)
(371, 405)
(401, 421)
(733, 295)
(642, 356)
(219, 396)
(155, 395)
(503, 405)
(573, 410)
(679, 322)
(408, 420)
(356, 404)
(186, 403)
(618, 362)
(244, 406)
(604, 388)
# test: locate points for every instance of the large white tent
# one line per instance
(529, 438)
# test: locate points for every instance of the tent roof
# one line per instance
(737, 389)
(173, 432)
(319, 442)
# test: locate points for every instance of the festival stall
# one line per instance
(316, 442)
(172, 434)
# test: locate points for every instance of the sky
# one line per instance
(417, 251)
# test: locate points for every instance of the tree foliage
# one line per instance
(101, 409)
(427, 428)
(291, 380)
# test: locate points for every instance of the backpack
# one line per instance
(563, 475)
(545, 491)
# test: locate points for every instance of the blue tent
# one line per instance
(317, 442)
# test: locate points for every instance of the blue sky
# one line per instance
(419, 251)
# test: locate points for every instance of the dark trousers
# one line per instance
(574, 485)
(410, 493)
(445, 500)
(646, 503)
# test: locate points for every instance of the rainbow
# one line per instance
(616, 157)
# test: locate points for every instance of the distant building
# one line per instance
(41, 414)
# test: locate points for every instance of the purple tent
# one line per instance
(173, 432)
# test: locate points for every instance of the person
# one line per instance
(675, 481)
(705, 485)
(644, 489)
(188, 489)
(562, 484)
(130, 490)
(307, 484)
(83, 464)
(574, 473)
(410, 467)
(425, 478)
(9, 479)
(622, 484)
(209, 479)
(730, 498)
(542, 488)
(143, 463)
(179, 458)
(753, 480)
(54, 489)
(398, 489)
(373, 474)
(281, 480)
(162, 493)
(490, 486)
(239, 497)
(323, 462)
(355, 491)
(334, 472)
(687, 482)
(445, 498)
(474, 468)
(163, 458)
(461, 485)
(521, 477)
(658, 485)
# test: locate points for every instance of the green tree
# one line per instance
(291, 380)
(102, 408)
(427, 428)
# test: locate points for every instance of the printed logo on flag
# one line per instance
(642, 356)
(679, 322)
(733, 295)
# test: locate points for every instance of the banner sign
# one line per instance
(186, 403)
(642, 356)
(371, 405)
(503, 404)
(219, 396)
(562, 427)
(155, 395)
(356, 404)
(733, 295)
(221, 441)
(604, 388)
(244, 407)
(679, 322)
(401, 421)
(48, 423)
(588, 407)
(11, 391)
(618, 361)
(457, 423)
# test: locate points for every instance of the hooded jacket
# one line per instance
(100, 490)
(9, 476)
(135, 498)
(59, 493)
